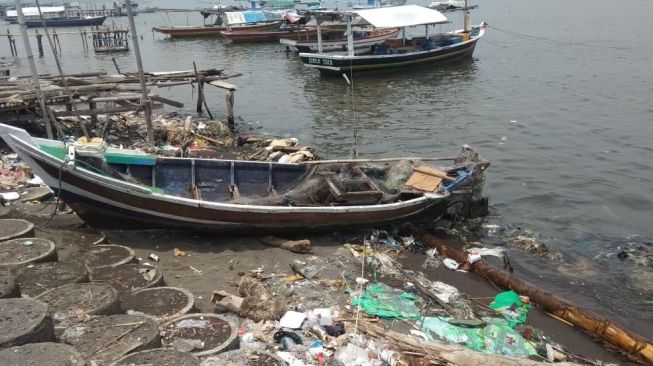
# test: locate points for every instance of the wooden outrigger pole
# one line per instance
(629, 342)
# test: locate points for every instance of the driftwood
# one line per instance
(631, 343)
(295, 246)
(437, 353)
(256, 302)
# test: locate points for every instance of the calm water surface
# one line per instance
(568, 127)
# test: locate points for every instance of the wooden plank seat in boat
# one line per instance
(360, 190)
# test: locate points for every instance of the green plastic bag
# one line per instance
(386, 302)
(495, 338)
(511, 307)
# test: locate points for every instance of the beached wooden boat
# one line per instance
(403, 53)
(213, 30)
(362, 41)
(129, 189)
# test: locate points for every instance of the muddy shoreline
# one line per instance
(212, 262)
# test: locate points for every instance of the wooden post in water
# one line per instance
(200, 93)
(141, 76)
(230, 106)
(11, 44)
(32, 68)
(39, 43)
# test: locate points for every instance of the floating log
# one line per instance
(42, 353)
(24, 321)
(631, 343)
(158, 357)
(108, 338)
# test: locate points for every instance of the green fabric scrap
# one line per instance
(497, 337)
(511, 307)
(386, 302)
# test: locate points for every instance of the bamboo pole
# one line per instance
(32, 67)
(631, 343)
(379, 160)
(61, 75)
(141, 75)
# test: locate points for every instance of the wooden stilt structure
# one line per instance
(145, 102)
(631, 343)
(32, 66)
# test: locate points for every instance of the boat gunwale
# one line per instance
(340, 57)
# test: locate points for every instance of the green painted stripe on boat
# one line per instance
(112, 158)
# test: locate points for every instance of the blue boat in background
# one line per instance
(56, 16)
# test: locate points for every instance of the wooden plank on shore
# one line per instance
(86, 112)
(167, 101)
(223, 85)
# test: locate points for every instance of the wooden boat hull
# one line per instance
(336, 65)
(81, 22)
(106, 202)
(341, 44)
(180, 32)
(271, 36)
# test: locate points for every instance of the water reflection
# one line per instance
(388, 111)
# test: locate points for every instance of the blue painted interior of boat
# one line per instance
(214, 178)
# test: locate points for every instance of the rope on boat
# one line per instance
(533, 38)
(56, 207)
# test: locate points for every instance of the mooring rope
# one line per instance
(533, 38)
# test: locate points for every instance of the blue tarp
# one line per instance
(254, 16)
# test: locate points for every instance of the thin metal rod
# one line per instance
(139, 63)
(32, 68)
(61, 75)
(379, 160)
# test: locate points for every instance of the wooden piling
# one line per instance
(11, 44)
(200, 96)
(39, 43)
(200, 93)
(230, 106)
(93, 106)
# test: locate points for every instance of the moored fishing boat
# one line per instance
(117, 188)
(241, 21)
(212, 30)
(402, 53)
(362, 40)
(85, 21)
(56, 16)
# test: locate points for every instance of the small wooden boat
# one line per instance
(212, 30)
(363, 41)
(117, 188)
(394, 54)
(270, 35)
